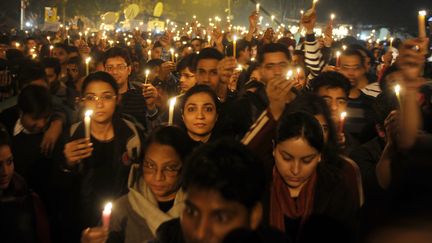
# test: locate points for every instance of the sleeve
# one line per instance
(314, 58)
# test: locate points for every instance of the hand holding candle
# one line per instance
(106, 215)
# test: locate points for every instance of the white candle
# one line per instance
(147, 72)
(391, 42)
(87, 61)
(332, 17)
(314, 4)
(289, 74)
(106, 215)
(172, 54)
(338, 54)
(342, 121)
(87, 121)
(51, 49)
(172, 103)
(257, 7)
(397, 89)
(234, 46)
(421, 24)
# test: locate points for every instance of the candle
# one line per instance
(332, 17)
(234, 46)
(314, 4)
(301, 12)
(87, 61)
(239, 68)
(344, 47)
(87, 119)
(391, 42)
(421, 23)
(106, 215)
(272, 18)
(338, 53)
(149, 54)
(175, 57)
(17, 45)
(289, 75)
(257, 7)
(49, 39)
(51, 49)
(172, 54)
(172, 103)
(298, 73)
(397, 89)
(80, 34)
(147, 72)
(342, 121)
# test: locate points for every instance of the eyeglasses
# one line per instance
(95, 98)
(122, 67)
(168, 170)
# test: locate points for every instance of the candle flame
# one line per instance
(302, 12)
(172, 101)
(289, 74)
(87, 60)
(147, 72)
(343, 115)
(88, 113)
(338, 53)
(107, 208)
(51, 47)
(332, 16)
(422, 12)
(239, 67)
(235, 38)
(397, 89)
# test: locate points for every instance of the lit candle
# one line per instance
(289, 75)
(342, 121)
(421, 23)
(314, 4)
(51, 49)
(272, 18)
(149, 54)
(298, 73)
(175, 57)
(80, 34)
(87, 61)
(391, 42)
(257, 7)
(301, 12)
(234, 46)
(147, 72)
(49, 39)
(344, 47)
(239, 68)
(338, 54)
(172, 103)
(332, 17)
(106, 215)
(17, 45)
(397, 89)
(172, 54)
(87, 120)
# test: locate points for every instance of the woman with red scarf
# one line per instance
(305, 185)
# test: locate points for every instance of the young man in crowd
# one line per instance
(134, 98)
(224, 194)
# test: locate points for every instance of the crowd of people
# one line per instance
(207, 137)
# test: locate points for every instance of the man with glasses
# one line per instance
(135, 100)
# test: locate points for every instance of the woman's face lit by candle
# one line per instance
(100, 97)
(199, 115)
(161, 167)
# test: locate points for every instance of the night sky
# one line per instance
(398, 13)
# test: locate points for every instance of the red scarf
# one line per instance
(282, 204)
